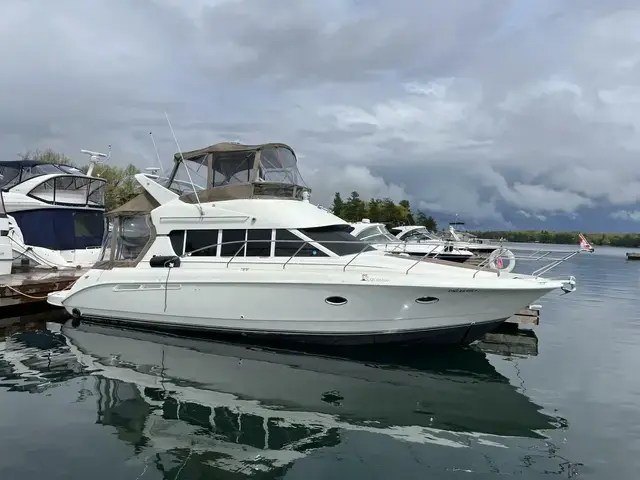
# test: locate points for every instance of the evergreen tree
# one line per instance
(338, 204)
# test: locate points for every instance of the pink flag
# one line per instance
(584, 243)
(499, 263)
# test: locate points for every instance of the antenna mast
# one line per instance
(155, 147)
(185, 165)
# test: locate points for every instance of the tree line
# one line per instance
(120, 188)
(383, 210)
(629, 240)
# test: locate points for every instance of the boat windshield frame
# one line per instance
(90, 191)
(337, 239)
(419, 234)
(15, 172)
(3, 210)
(372, 233)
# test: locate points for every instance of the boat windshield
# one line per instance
(377, 234)
(132, 235)
(72, 190)
(337, 239)
(420, 235)
(17, 172)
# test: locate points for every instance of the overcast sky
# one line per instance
(499, 111)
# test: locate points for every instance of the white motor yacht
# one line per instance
(378, 235)
(55, 213)
(475, 244)
(421, 235)
(248, 254)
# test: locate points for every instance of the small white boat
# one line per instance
(55, 213)
(249, 255)
(475, 244)
(421, 235)
(378, 235)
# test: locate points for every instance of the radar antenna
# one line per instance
(96, 158)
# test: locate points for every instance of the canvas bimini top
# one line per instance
(231, 170)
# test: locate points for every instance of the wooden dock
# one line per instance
(24, 293)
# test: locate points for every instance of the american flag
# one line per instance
(584, 243)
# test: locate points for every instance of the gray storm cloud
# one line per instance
(462, 107)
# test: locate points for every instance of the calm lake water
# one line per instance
(93, 402)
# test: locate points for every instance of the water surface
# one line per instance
(95, 402)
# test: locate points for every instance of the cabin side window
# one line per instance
(233, 243)
(337, 239)
(177, 241)
(201, 243)
(287, 244)
(258, 242)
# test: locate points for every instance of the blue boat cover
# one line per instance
(61, 228)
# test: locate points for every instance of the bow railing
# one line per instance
(492, 263)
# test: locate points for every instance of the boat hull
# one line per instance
(350, 311)
(455, 335)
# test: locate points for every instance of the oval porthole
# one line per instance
(426, 300)
(335, 300)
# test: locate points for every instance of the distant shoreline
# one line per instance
(628, 240)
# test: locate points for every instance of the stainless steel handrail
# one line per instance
(366, 246)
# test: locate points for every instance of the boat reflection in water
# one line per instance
(221, 407)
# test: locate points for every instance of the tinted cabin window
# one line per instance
(237, 247)
(204, 241)
(258, 243)
(177, 241)
(349, 245)
(287, 244)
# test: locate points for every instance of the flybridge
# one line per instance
(231, 170)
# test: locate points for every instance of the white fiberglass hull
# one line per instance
(294, 305)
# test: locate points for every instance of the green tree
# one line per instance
(389, 212)
(121, 186)
(48, 156)
(406, 212)
(374, 212)
(385, 210)
(338, 204)
(354, 209)
(426, 221)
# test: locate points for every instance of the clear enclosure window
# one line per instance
(133, 234)
(279, 164)
(232, 167)
(10, 176)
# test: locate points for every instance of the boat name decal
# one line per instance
(462, 290)
(369, 278)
